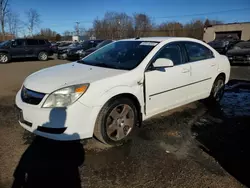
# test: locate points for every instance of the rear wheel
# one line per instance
(4, 58)
(217, 90)
(43, 56)
(116, 121)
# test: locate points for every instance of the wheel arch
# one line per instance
(222, 74)
(129, 96)
(118, 92)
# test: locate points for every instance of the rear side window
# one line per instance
(197, 52)
(32, 42)
(41, 42)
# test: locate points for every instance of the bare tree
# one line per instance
(79, 30)
(13, 22)
(113, 26)
(3, 12)
(142, 24)
(33, 20)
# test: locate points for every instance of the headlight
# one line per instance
(65, 96)
(79, 51)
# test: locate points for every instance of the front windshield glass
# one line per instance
(124, 55)
(5, 43)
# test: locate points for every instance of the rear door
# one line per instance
(203, 69)
(32, 47)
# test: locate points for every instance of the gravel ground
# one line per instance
(192, 146)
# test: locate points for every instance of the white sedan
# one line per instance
(109, 92)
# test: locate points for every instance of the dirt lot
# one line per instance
(194, 146)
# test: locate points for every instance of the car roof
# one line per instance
(159, 39)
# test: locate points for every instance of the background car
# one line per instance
(64, 48)
(25, 48)
(91, 50)
(240, 53)
(74, 53)
(222, 45)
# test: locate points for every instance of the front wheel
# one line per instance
(43, 56)
(4, 58)
(116, 121)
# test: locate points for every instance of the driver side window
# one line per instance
(172, 52)
(18, 43)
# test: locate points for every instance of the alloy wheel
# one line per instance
(3, 58)
(219, 90)
(120, 122)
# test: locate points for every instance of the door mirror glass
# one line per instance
(163, 62)
(13, 44)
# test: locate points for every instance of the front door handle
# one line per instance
(185, 70)
(213, 64)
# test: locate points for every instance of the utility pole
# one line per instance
(77, 28)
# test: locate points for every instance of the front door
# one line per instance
(167, 88)
(17, 49)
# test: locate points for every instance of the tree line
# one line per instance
(116, 25)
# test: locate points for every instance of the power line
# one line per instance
(202, 14)
(179, 16)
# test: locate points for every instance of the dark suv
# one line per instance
(24, 48)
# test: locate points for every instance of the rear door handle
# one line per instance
(185, 70)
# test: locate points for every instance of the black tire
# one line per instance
(4, 58)
(42, 56)
(217, 92)
(100, 131)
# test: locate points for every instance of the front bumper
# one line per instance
(71, 123)
(61, 55)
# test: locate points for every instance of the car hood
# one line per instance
(53, 78)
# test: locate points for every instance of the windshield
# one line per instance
(5, 43)
(103, 43)
(124, 55)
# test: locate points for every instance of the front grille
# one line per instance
(51, 130)
(31, 97)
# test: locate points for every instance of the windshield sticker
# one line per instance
(149, 43)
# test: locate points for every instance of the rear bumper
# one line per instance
(239, 59)
(73, 56)
(71, 123)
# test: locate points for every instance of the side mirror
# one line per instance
(163, 63)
